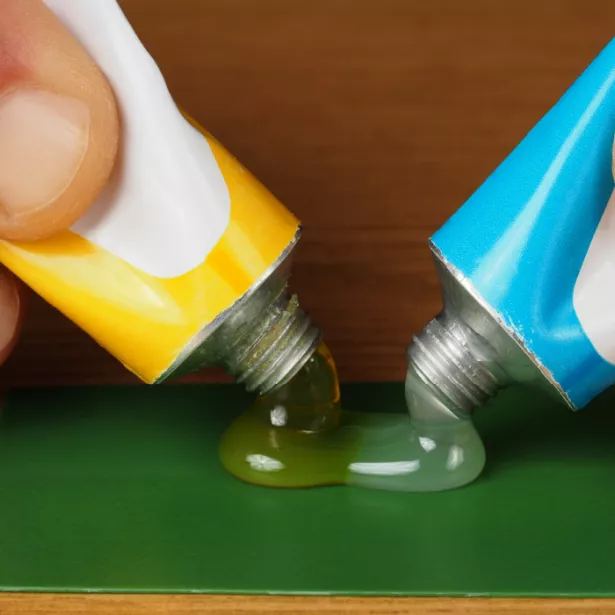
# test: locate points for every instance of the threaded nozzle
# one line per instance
(443, 358)
(270, 349)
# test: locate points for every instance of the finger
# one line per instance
(58, 124)
(12, 308)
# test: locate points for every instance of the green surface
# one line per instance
(120, 489)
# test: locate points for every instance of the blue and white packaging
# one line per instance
(535, 246)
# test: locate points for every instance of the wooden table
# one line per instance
(373, 120)
(50, 604)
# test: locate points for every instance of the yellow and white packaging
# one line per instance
(179, 235)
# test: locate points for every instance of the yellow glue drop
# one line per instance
(299, 437)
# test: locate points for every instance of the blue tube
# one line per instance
(521, 240)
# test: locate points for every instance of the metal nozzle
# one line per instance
(262, 340)
(444, 360)
(266, 351)
(466, 354)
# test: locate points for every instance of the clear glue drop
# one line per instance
(299, 437)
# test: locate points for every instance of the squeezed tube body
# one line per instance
(182, 261)
(527, 265)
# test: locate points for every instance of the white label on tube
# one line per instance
(167, 203)
(594, 291)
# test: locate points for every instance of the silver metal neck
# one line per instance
(268, 347)
(443, 359)
(466, 354)
(262, 340)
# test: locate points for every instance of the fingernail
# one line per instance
(43, 140)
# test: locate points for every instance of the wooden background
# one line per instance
(373, 120)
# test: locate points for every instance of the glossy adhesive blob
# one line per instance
(300, 437)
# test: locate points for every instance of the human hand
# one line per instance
(59, 133)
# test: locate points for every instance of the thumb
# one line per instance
(58, 137)
(58, 124)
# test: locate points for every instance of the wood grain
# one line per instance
(52, 604)
(373, 120)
